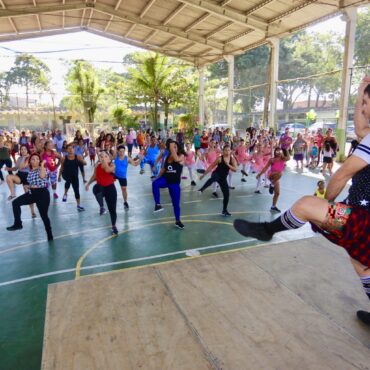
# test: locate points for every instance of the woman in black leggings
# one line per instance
(38, 193)
(69, 170)
(104, 187)
(224, 163)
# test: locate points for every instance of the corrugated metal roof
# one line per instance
(198, 31)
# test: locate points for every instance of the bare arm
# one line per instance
(110, 168)
(42, 170)
(211, 167)
(362, 127)
(80, 159)
(92, 179)
(134, 162)
(338, 181)
(232, 165)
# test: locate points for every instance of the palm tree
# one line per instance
(150, 77)
(83, 83)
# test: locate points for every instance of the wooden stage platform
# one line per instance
(285, 306)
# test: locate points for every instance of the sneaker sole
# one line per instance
(244, 228)
(158, 210)
(181, 228)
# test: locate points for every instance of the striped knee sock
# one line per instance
(288, 220)
(365, 280)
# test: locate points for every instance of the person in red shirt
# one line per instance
(204, 142)
(104, 187)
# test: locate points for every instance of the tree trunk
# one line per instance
(166, 111)
(155, 118)
(309, 97)
(317, 99)
(26, 95)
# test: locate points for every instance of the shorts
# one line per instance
(327, 160)
(348, 226)
(53, 175)
(122, 181)
(23, 177)
(92, 157)
(298, 157)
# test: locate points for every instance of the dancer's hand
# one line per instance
(87, 186)
(258, 176)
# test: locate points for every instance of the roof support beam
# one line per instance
(219, 29)
(137, 44)
(225, 2)
(31, 35)
(155, 25)
(292, 10)
(230, 15)
(108, 23)
(188, 46)
(169, 42)
(197, 21)
(174, 14)
(13, 25)
(130, 29)
(63, 16)
(17, 11)
(118, 4)
(238, 36)
(258, 6)
(37, 17)
(146, 8)
(151, 34)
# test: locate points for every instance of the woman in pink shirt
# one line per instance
(190, 162)
(276, 167)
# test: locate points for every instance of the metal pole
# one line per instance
(230, 90)
(274, 76)
(201, 96)
(349, 45)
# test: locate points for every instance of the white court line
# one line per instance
(192, 201)
(65, 271)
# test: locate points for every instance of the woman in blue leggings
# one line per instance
(170, 177)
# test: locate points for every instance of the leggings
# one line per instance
(8, 163)
(215, 177)
(110, 194)
(174, 190)
(42, 199)
(75, 184)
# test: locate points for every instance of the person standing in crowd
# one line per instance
(52, 162)
(196, 140)
(69, 170)
(81, 150)
(150, 155)
(59, 141)
(121, 163)
(92, 154)
(223, 164)
(4, 158)
(285, 142)
(204, 141)
(38, 193)
(129, 142)
(299, 147)
(170, 177)
(104, 187)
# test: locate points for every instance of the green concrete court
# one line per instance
(83, 245)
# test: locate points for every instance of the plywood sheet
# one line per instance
(236, 310)
(117, 322)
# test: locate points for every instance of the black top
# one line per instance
(70, 167)
(222, 168)
(359, 192)
(172, 172)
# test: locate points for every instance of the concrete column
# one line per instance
(201, 96)
(230, 89)
(350, 16)
(274, 76)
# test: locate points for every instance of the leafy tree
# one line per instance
(150, 75)
(362, 37)
(30, 72)
(83, 84)
(4, 87)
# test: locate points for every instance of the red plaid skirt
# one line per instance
(354, 236)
